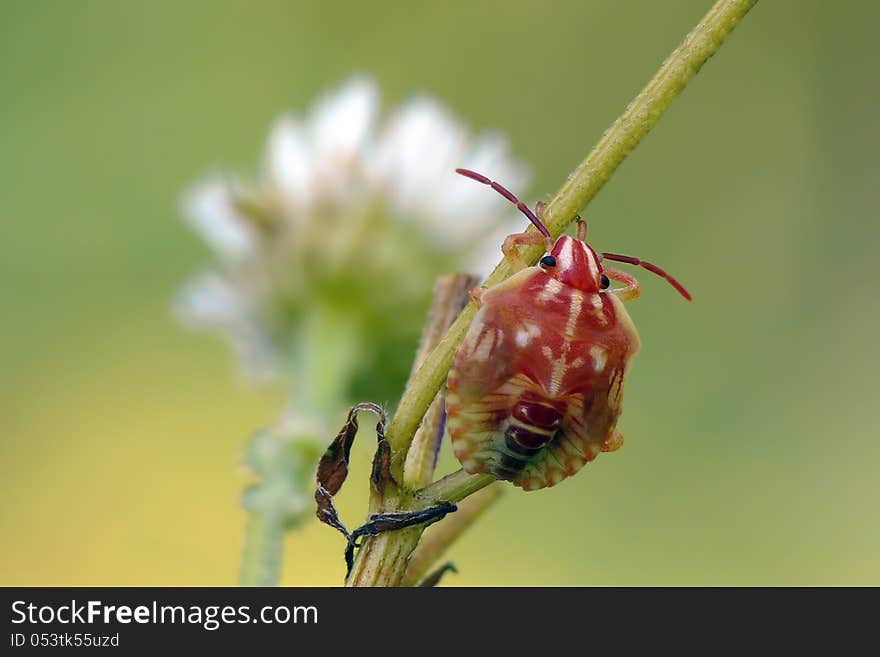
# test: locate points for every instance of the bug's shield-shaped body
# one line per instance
(535, 388)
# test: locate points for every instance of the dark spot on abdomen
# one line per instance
(534, 422)
(525, 441)
(517, 440)
(538, 414)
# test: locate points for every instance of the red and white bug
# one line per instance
(535, 388)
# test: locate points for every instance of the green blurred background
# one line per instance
(751, 417)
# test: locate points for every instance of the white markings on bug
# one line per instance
(484, 346)
(557, 372)
(598, 309)
(574, 312)
(591, 261)
(600, 357)
(561, 364)
(528, 332)
(551, 289)
(473, 335)
(563, 260)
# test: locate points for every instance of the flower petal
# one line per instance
(341, 121)
(211, 301)
(490, 155)
(415, 161)
(340, 124)
(421, 144)
(290, 163)
(330, 183)
(211, 212)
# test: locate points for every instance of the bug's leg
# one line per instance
(477, 293)
(511, 245)
(612, 442)
(631, 290)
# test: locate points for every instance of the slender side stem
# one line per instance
(284, 459)
(261, 559)
(382, 559)
(452, 488)
(450, 296)
(643, 113)
(439, 537)
(325, 356)
(581, 187)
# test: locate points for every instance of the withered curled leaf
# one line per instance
(333, 466)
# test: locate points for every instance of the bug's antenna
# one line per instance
(506, 193)
(654, 269)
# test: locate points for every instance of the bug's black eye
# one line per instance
(548, 261)
(605, 282)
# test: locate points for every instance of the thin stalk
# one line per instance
(451, 488)
(263, 544)
(439, 537)
(386, 564)
(450, 296)
(284, 459)
(639, 117)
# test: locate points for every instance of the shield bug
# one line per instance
(535, 388)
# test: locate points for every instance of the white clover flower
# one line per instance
(348, 207)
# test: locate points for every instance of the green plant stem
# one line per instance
(263, 544)
(383, 560)
(439, 537)
(450, 296)
(581, 187)
(325, 356)
(322, 362)
(451, 488)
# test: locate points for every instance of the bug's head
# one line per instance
(573, 262)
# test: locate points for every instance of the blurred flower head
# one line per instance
(351, 219)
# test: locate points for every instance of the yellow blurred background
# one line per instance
(752, 446)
